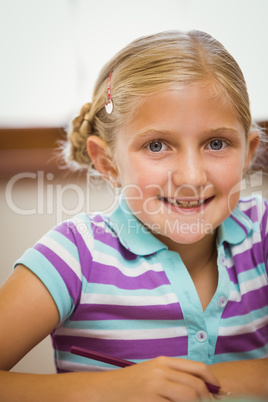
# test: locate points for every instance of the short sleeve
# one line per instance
(56, 260)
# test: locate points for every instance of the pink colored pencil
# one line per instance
(213, 389)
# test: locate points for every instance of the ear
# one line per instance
(99, 154)
(252, 145)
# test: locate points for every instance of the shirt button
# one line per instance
(201, 336)
(222, 301)
(222, 260)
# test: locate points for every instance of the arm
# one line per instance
(245, 377)
(30, 314)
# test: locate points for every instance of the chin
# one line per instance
(184, 236)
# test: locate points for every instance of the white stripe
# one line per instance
(74, 367)
(119, 300)
(257, 204)
(63, 253)
(247, 244)
(229, 262)
(253, 284)
(247, 204)
(248, 286)
(235, 296)
(253, 204)
(125, 334)
(244, 328)
(106, 259)
(83, 228)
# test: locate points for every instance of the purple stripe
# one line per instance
(111, 312)
(246, 261)
(264, 227)
(242, 343)
(70, 231)
(66, 229)
(266, 251)
(264, 223)
(235, 270)
(232, 274)
(127, 349)
(252, 212)
(99, 233)
(250, 301)
(110, 275)
(246, 201)
(74, 231)
(70, 279)
(249, 259)
(104, 236)
(85, 260)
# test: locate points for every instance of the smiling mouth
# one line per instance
(185, 203)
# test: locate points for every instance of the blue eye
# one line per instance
(156, 146)
(216, 145)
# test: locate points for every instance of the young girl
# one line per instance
(175, 278)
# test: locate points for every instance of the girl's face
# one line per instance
(180, 160)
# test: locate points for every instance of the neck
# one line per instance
(197, 256)
(200, 260)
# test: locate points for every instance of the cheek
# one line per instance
(141, 188)
(228, 173)
(229, 182)
(134, 172)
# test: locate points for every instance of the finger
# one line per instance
(193, 386)
(198, 369)
(177, 392)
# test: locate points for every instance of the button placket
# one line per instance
(221, 255)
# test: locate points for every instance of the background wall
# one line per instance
(51, 53)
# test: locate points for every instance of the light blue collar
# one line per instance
(139, 240)
(132, 233)
(236, 227)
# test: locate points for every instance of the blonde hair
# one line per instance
(151, 64)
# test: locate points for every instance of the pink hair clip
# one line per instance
(109, 104)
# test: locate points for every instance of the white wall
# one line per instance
(51, 51)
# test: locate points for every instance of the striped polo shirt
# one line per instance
(120, 291)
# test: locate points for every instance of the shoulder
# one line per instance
(255, 208)
(253, 201)
(92, 236)
(85, 227)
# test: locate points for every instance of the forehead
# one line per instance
(189, 110)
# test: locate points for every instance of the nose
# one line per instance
(190, 170)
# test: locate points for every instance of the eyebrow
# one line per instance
(152, 131)
(218, 129)
(167, 133)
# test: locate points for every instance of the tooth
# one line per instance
(184, 204)
(194, 203)
(189, 203)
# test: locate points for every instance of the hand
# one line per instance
(157, 380)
